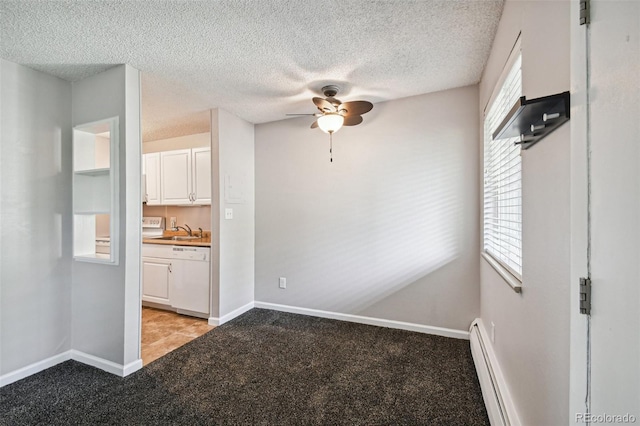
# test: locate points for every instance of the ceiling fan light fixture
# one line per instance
(330, 123)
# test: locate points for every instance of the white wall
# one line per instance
(389, 229)
(106, 298)
(215, 218)
(133, 219)
(532, 328)
(35, 208)
(235, 181)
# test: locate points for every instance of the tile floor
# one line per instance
(164, 331)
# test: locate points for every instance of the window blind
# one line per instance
(502, 179)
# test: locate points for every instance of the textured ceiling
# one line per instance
(256, 59)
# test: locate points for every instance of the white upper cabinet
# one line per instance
(201, 170)
(185, 177)
(151, 170)
(176, 177)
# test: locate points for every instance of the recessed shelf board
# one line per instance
(93, 172)
(94, 258)
(91, 212)
(527, 113)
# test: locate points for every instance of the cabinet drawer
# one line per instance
(157, 250)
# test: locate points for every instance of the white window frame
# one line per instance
(507, 261)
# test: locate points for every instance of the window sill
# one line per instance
(514, 283)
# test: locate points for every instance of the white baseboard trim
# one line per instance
(495, 392)
(427, 329)
(94, 361)
(34, 368)
(215, 321)
(192, 313)
(132, 367)
(108, 366)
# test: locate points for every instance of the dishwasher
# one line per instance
(190, 268)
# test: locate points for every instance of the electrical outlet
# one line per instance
(228, 213)
(283, 282)
(173, 222)
(493, 332)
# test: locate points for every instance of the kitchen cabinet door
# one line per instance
(157, 280)
(151, 169)
(201, 168)
(175, 177)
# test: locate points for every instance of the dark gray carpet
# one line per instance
(268, 368)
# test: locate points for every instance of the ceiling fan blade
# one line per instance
(315, 124)
(324, 105)
(301, 114)
(352, 120)
(355, 108)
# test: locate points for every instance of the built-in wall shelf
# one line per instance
(95, 190)
(87, 212)
(530, 120)
(93, 172)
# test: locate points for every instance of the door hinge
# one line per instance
(585, 296)
(585, 12)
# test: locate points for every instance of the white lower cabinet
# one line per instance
(177, 277)
(157, 279)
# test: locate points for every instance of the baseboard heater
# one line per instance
(496, 396)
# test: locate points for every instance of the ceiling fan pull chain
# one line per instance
(331, 146)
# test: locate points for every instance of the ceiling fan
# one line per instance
(334, 114)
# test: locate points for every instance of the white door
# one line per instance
(151, 167)
(175, 172)
(201, 167)
(605, 345)
(157, 277)
(615, 207)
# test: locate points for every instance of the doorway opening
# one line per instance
(176, 231)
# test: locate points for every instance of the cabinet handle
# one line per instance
(170, 271)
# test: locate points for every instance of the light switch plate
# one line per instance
(228, 213)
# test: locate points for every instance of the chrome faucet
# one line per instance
(187, 229)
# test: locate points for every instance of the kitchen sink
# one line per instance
(178, 238)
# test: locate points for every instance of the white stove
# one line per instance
(152, 226)
(103, 245)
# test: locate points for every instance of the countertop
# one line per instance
(205, 241)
